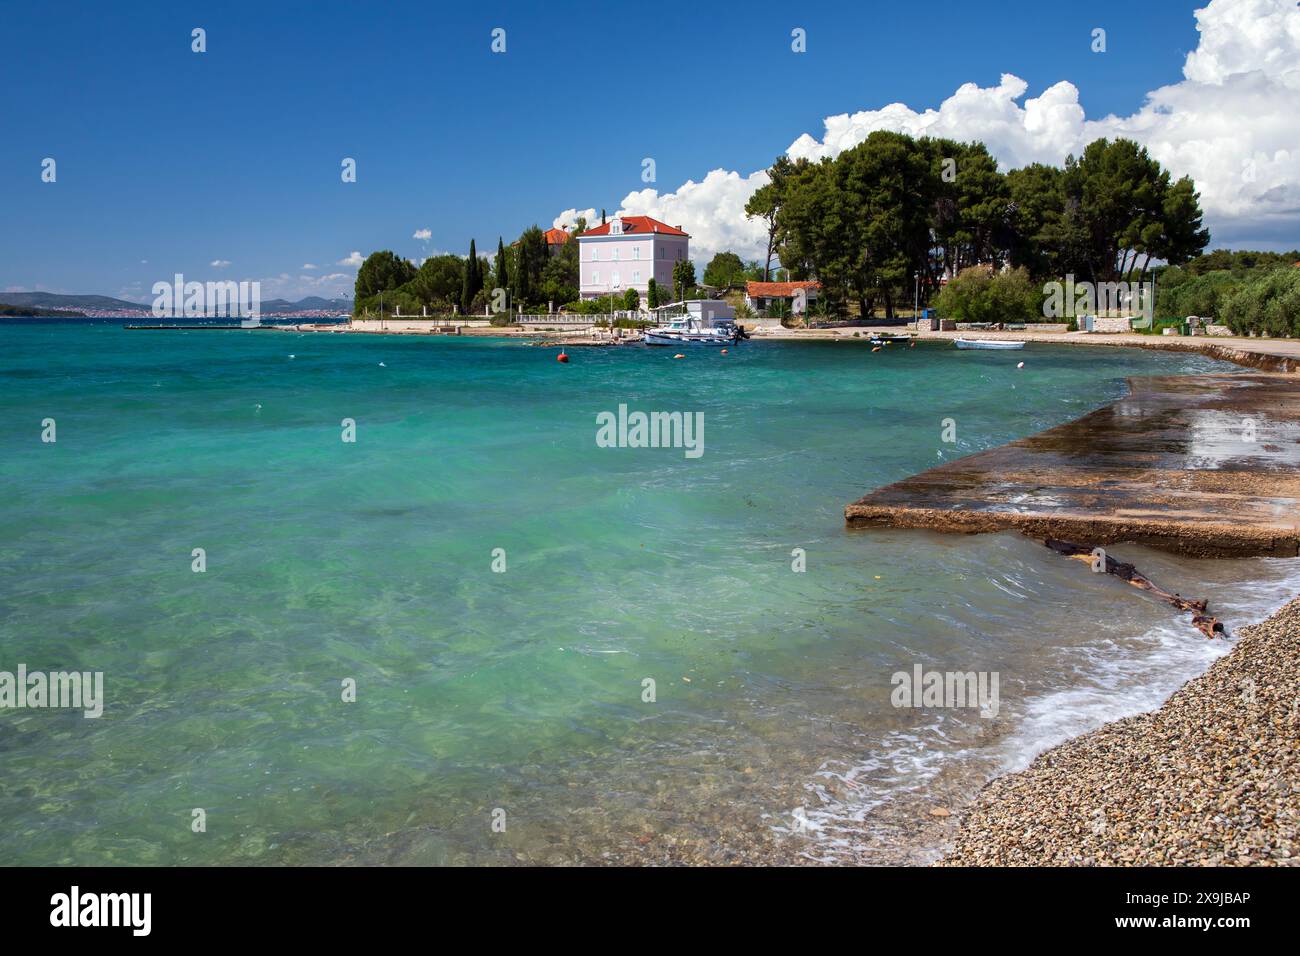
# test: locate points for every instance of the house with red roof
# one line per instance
(626, 253)
(761, 296)
(555, 238)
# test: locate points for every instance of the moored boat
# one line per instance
(988, 344)
(695, 322)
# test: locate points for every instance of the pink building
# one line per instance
(626, 253)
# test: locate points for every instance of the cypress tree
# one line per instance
(466, 277)
(503, 272)
(521, 275)
(475, 277)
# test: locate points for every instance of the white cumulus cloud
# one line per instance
(354, 260)
(569, 218)
(422, 234)
(1232, 123)
(219, 263)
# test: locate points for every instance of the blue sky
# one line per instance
(170, 160)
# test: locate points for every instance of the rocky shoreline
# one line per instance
(1212, 778)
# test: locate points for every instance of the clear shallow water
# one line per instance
(523, 690)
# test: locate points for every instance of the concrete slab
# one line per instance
(1204, 465)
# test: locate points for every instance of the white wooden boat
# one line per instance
(988, 344)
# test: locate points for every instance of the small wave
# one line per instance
(911, 772)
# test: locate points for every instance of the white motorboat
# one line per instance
(988, 344)
(695, 322)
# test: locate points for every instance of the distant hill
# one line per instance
(313, 303)
(52, 300)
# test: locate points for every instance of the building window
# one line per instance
(636, 252)
(595, 278)
(613, 278)
(636, 278)
(615, 257)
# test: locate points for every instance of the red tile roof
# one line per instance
(556, 237)
(636, 226)
(778, 290)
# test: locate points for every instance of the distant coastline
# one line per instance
(33, 312)
(59, 305)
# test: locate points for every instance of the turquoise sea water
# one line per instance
(523, 691)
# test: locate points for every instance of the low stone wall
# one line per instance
(401, 325)
(558, 322)
(1221, 330)
(948, 325)
(1101, 324)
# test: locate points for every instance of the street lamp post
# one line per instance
(916, 296)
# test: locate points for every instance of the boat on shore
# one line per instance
(695, 322)
(889, 339)
(988, 344)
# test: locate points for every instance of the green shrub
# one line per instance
(1180, 294)
(979, 294)
(1266, 304)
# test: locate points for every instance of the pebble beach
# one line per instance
(1212, 778)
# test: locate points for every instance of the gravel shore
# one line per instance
(1211, 778)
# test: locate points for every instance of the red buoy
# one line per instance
(561, 357)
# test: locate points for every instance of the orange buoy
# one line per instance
(875, 348)
(562, 357)
(679, 355)
(724, 351)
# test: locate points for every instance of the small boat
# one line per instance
(887, 339)
(696, 322)
(987, 344)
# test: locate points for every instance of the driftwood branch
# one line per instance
(1203, 622)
